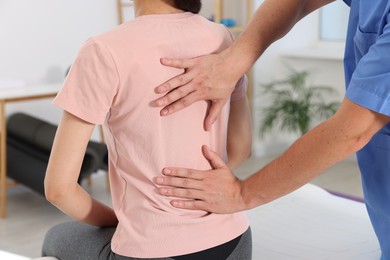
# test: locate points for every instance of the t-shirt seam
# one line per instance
(81, 113)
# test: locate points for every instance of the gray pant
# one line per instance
(78, 241)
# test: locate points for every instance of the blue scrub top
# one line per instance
(367, 75)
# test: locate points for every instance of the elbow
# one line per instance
(249, 154)
(360, 141)
(237, 157)
(55, 193)
(52, 195)
(246, 153)
(249, 151)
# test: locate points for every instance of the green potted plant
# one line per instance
(295, 105)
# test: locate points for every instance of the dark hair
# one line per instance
(192, 6)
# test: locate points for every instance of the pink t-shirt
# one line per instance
(112, 82)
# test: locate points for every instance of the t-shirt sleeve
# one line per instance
(370, 82)
(239, 91)
(91, 84)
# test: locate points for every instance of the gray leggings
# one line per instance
(78, 241)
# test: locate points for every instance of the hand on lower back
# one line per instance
(216, 190)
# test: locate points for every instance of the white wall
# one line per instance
(39, 40)
(273, 65)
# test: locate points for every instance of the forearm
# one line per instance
(304, 160)
(63, 170)
(239, 141)
(238, 156)
(79, 205)
(328, 143)
(272, 20)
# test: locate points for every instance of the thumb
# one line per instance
(214, 159)
(215, 110)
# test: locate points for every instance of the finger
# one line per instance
(174, 95)
(180, 104)
(178, 81)
(177, 63)
(180, 193)
(190, 204)
(215, 161)
(183, 173)
(178, 182)
(213, 114)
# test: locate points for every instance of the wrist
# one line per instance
(241, 55)
(233, 63)
(249, 198)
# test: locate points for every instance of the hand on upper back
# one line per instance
(205, 78)
(217, 190)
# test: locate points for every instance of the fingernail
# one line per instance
(175, 203)
(167, 171)
(165, 60)
(164, 112)
(161, 89)
(159, 180)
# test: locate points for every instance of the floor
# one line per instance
(30, 215)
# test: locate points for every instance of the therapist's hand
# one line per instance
(209, 77)
(216, 190)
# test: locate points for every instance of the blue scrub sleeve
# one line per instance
(370, 83)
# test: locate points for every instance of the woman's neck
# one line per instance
(145, 7)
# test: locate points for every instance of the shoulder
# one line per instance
(215, 29)
(211, 24)
(118, 33)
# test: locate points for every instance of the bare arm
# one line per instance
(61, 187)
(213, 77)
(239, 141)
(330, 142)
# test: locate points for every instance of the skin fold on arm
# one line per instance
(61, 187)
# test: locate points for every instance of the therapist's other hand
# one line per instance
(205, 78)
(216, 190)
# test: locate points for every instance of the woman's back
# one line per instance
(117, 90)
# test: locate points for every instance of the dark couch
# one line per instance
(29, 142)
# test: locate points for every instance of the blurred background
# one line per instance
(40, 39)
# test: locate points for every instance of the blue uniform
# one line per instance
(367, 74)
